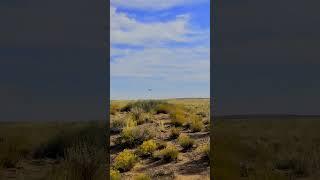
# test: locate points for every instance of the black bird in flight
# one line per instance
(149, 89)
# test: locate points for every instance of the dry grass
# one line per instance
(134, 135)
(169, 153)
(185, 141)
(174, 133)
(268, 148)
(72, 146)
(178, 117)
(196, 123)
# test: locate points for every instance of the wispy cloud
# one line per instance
(190, 64)
(153, 5)
(126, 30)
(167, 51)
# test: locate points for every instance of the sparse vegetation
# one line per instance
(174, 133)
(204, 150)
(150, 134)
(196, 123)
(185, 141)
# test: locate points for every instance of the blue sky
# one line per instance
(160, 45)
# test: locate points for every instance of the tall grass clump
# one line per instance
(82, 161)
(174, 133)
(136, 113)
(140, 116)
(167, 154)
(178, 117)
(130, 122)
(125, 161)
(185, 141)
(55, 146)
(196, 123)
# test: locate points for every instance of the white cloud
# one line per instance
(157, 59)
(153, 5)
(187, 64)
(129, 31)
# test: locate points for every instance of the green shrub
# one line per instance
(137, 115)
(141, 176)
(140, 116)
(196, 124)
(174, 133)
(82, 161)
(147, 147)
(185, 141)
(170, 153)
(115, 175)
(146, 105)
(125, 161)
(135, 135)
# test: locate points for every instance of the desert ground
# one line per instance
(160, 139)
(52, 150)
(266, 148)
